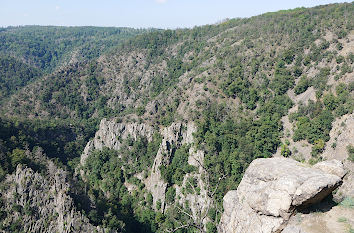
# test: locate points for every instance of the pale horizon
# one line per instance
(164, 14)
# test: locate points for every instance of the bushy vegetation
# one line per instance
(302, 86)
(237, 85)
(314, 120)
(347, 202)
(232, 143)
(107, 171)
(62, 141)
(350, 150)
(174, 172)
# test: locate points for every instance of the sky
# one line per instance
(138, 13)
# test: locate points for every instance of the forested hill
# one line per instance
(246, 60)
(28, 52)
(47, 47)
(247, 88)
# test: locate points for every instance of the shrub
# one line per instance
(339, 59)
(330, 101)
(140, 110)
(318, 147)
(285, 151)
(158, 205)
(302, 85)
(282, 83)
(211, 228)
(350, 150)
(348, 202)
(170, 195)
(342, 219)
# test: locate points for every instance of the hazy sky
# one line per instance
(138, 13)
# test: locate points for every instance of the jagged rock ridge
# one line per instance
(42, 203)
(111, 134)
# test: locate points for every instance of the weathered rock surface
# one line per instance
(342, 135)
(334, 167)
(171, 137)
(293, 229)
(111, 134)
(199, 203)
(272, 189)
(42, 204)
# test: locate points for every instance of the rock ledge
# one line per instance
(272, 189)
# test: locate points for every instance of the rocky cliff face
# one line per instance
(40, 203)
(111, 134)
(342, 135)
(172, 137)
(273, 189)
(270, 193)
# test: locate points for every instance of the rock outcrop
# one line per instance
(111, 134)
(171, 138)
(199, 203)
(42, 204)
(334, 167)
(272, 189)
(342, 135)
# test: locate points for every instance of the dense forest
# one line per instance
(29, 52)
(50, 47)
(236, 81)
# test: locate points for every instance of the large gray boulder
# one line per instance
(272, 189)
